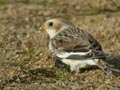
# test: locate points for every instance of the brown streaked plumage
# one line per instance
(74, 46)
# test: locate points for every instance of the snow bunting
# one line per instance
(74, 46)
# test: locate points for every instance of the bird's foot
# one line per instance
(113, 71)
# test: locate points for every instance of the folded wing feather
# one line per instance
(75, 44)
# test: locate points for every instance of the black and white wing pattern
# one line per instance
(74, 43)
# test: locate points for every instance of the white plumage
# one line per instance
(75, 65)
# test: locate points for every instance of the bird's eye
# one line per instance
(50, 23)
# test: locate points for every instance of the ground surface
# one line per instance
(25, 61)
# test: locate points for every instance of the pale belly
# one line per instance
(75, 65)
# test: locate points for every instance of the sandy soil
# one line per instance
(27, 64)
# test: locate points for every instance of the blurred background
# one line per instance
(25, 61)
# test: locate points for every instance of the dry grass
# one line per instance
(25, 61)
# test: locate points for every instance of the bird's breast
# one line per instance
(50, 46)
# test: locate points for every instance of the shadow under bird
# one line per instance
(77, 48)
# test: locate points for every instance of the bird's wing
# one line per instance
(75, 43)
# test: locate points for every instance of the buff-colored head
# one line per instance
(52, 26)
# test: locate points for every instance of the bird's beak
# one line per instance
(42, 28)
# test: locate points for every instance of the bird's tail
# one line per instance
(112, 60)
(112, 63)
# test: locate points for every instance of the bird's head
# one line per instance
(53, 26)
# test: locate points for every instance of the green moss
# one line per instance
(1, 66)
(2, 2)
(62, 74)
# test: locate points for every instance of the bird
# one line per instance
(74, 46)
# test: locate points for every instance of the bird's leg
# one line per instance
(102, 68)
(74, 69)
(77, 71)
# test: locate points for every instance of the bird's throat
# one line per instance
(51, 33)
